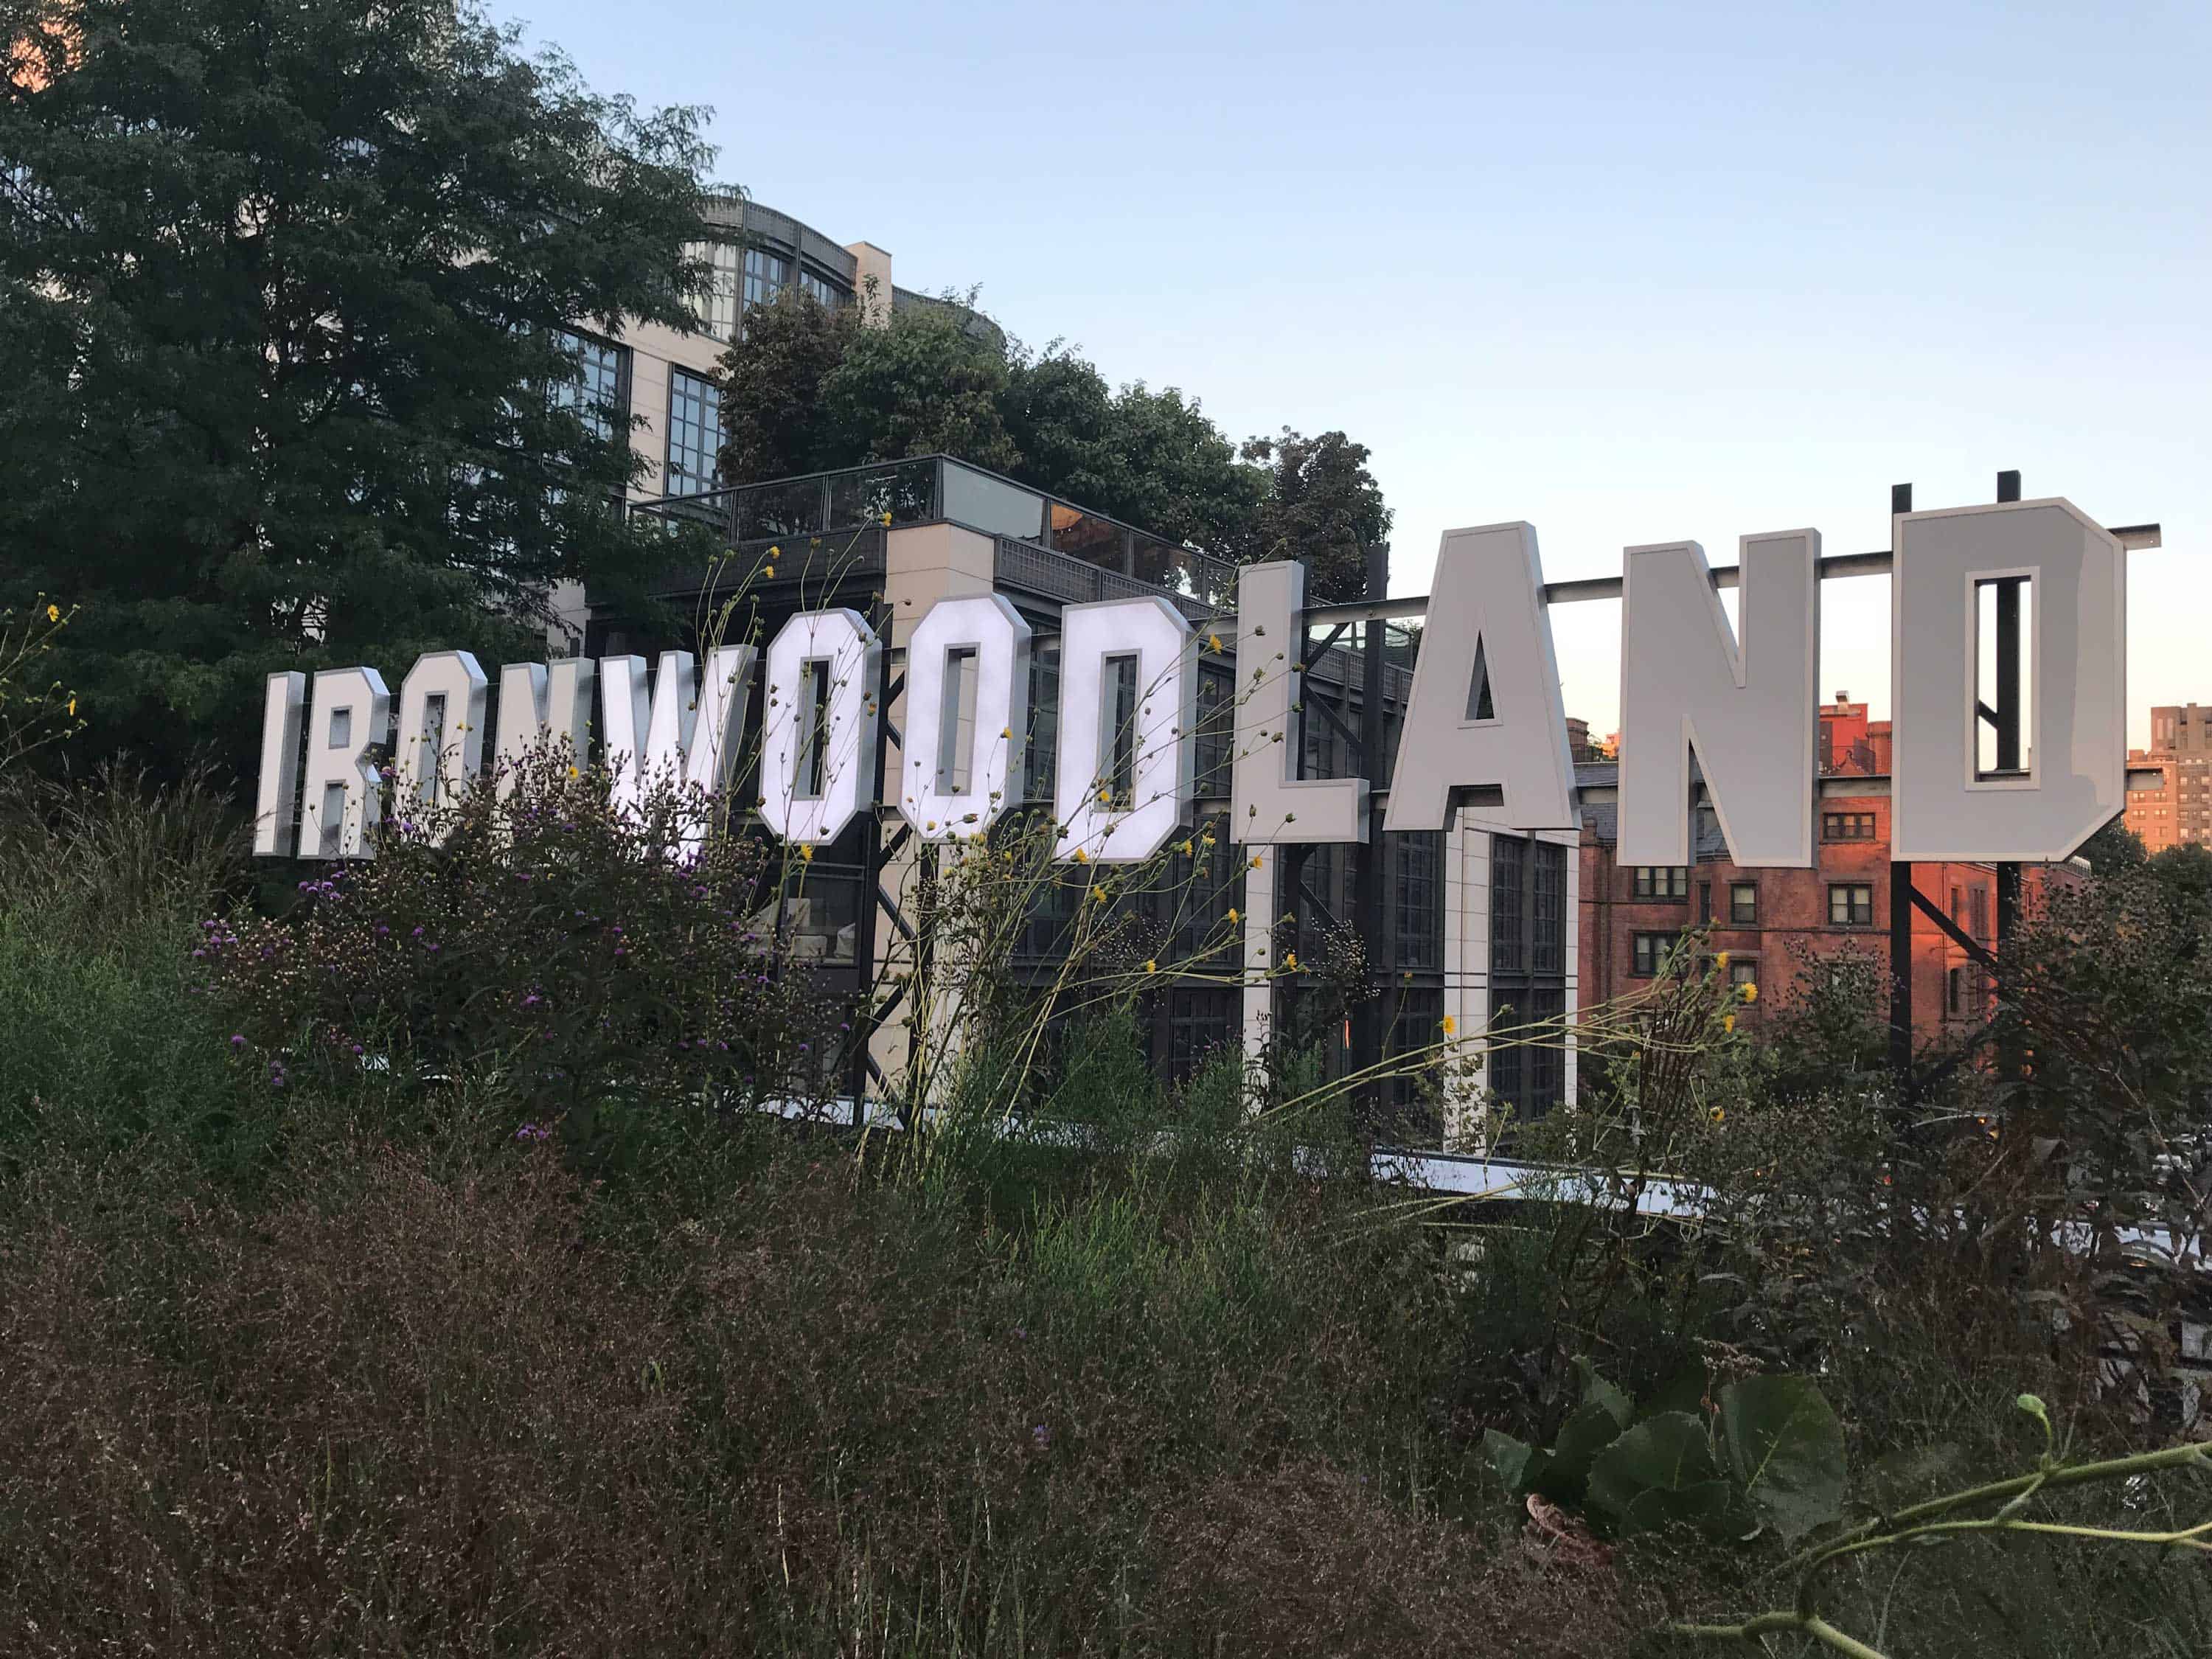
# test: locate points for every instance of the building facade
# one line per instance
(2175, 810)
(1450, 932)
(659, 383)
(1781, 925)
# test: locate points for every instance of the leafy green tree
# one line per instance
(285, 295)
(1322, 505)
(921, 385)
(774, 425)
(807, 388)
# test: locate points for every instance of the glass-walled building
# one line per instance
(663, 379)
(1438, 933)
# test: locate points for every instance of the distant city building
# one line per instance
(1777, 924)
(2152, 806)
(665, 378)
(2177, 810)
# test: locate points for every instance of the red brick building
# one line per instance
(2177, 811)
(1774, 923)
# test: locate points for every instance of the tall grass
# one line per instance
(354, 1372)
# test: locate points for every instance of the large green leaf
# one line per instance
(1518, 1464)
(1661, 1473)
(1597, 1390)
(1786, 1448)
(1592, 1428)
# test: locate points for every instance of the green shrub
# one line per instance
(586, 952)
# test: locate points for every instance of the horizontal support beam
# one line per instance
(2136, 537)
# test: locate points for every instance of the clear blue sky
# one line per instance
(1632, 272)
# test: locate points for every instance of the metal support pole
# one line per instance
(1367, 1027)
(2011, 698)
(872, 864)
(1900, 915)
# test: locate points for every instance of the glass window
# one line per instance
(820, 288)
(1411, 860)
(765, 275)
(1851, 905)
(1648, 953)
(600, 394)
(716, 306)
(1216, 742)
(1743, 903)
(1508, 863)
(1547, 941)
(695, 431)
(1528, 922)
(1662, 881)
(1200, 1022)
(1847, 826)
(1743, 970)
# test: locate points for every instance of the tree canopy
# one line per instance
(287, 300)
(809, 387)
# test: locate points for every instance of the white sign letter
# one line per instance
(1272, 802)
(686, 735)
(277, 800)
(1751, 712)
(967, 716)
(344, 796)
(818, 733)
(1128, 699)
(1948, 798)
(1486, 703)
(438, 759)
(541, 705)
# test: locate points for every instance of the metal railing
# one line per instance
(1121, 560)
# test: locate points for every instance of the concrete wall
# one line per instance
(923, 563)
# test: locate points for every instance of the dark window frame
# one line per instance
(1743, 904)
(693, 408)
(1854, 912)
(1529, 916)
(1647, 953)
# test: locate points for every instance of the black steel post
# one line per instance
(1900, 904)
(1367, 1027)
(2011, 696)
(872, 864)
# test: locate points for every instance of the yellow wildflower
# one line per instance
(1233, 917)
(1750, 988)
(1722, 960)
(1719, 1116)
(1106, 795)
(572, 769)
(1450, 1026)
(1728, 1022)
(806, 852)
(1213, 642)
(53, 613)
(1189, 850)
(1005, 731)
(1289, 959)
(1256, 860)
(1151, 967)
(887, 521)
(1082, 857)
(767, 570)
(775, 552)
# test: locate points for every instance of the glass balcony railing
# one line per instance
(930, 489)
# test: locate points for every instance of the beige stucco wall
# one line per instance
(923, 563)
